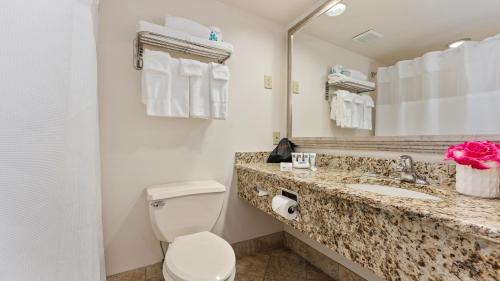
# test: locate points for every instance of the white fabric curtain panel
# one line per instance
(50, 197)
(451, 92)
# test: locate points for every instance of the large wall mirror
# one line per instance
(395, 75)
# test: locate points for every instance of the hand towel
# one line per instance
(219, 80)
(199, 87)
(343, 108)
(156, 82)
(164, 91)
(347, 109)
(188, 26)
(357, 111)
(367, 115)
(179, 101)
(333, 107)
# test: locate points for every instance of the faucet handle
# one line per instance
(405, 162)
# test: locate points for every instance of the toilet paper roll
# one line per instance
(281, 206)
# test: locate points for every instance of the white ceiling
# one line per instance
(410, 27)
(280, 11)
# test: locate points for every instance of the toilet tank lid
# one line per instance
(179, 189)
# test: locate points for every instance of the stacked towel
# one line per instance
(188, 26)
(219, 80)
(164, 91)
(171, 32)
(336, 77)
(354, 74)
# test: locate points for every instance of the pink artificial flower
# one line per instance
(480, 155)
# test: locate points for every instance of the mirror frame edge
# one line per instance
(416, 144)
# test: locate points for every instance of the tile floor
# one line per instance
(277, 265)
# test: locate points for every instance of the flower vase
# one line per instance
(480, 183)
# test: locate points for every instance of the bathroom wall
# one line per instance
(313, 58)
(138, 151)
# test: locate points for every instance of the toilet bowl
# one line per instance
(182, 214)
(199, 256)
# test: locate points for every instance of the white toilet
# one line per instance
(182, 214)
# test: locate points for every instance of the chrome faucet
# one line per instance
(408, 173)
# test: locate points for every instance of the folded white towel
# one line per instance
(188, 26)
(199, 87)
(334, 78)
(344, 108)
(156, 82)
(219, 80)
(164, 91)
(358, 111)
(171, 32)
(367, 115)
(333, 108)
(355, 74)
(179, 102)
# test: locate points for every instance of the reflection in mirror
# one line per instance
(398, 68)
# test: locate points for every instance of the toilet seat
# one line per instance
(201, 256)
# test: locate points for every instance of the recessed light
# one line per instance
(458, 43)
(336, 10)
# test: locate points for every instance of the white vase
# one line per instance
(480, 183)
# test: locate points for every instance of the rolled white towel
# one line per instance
(188, 26)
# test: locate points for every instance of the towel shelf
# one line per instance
(352, 86)
(175, 44)
(347, 85)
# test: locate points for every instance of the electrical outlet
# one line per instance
(268, 82)
(276, 137)
(295, 87)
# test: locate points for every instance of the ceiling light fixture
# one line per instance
(336, 10)
(458, 43)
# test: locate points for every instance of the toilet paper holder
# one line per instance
(292, 195)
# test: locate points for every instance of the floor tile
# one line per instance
(154, 272)
(252, 268)
(277, 265)
(314, 274)
(132, 275)
(285, 265)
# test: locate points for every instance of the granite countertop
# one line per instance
(475, 216)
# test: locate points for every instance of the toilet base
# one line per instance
(167, 277)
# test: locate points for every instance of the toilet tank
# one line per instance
(182, 208)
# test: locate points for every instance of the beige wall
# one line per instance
(312, 59)
(138, 151)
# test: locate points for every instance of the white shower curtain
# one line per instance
(50, 197)
(451, 92)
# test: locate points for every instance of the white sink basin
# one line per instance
(393, 191)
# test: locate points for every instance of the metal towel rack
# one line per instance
(175, 44)
(347, 85)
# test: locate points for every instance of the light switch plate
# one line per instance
(276, 137)
(295, 87)
(268, 82)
